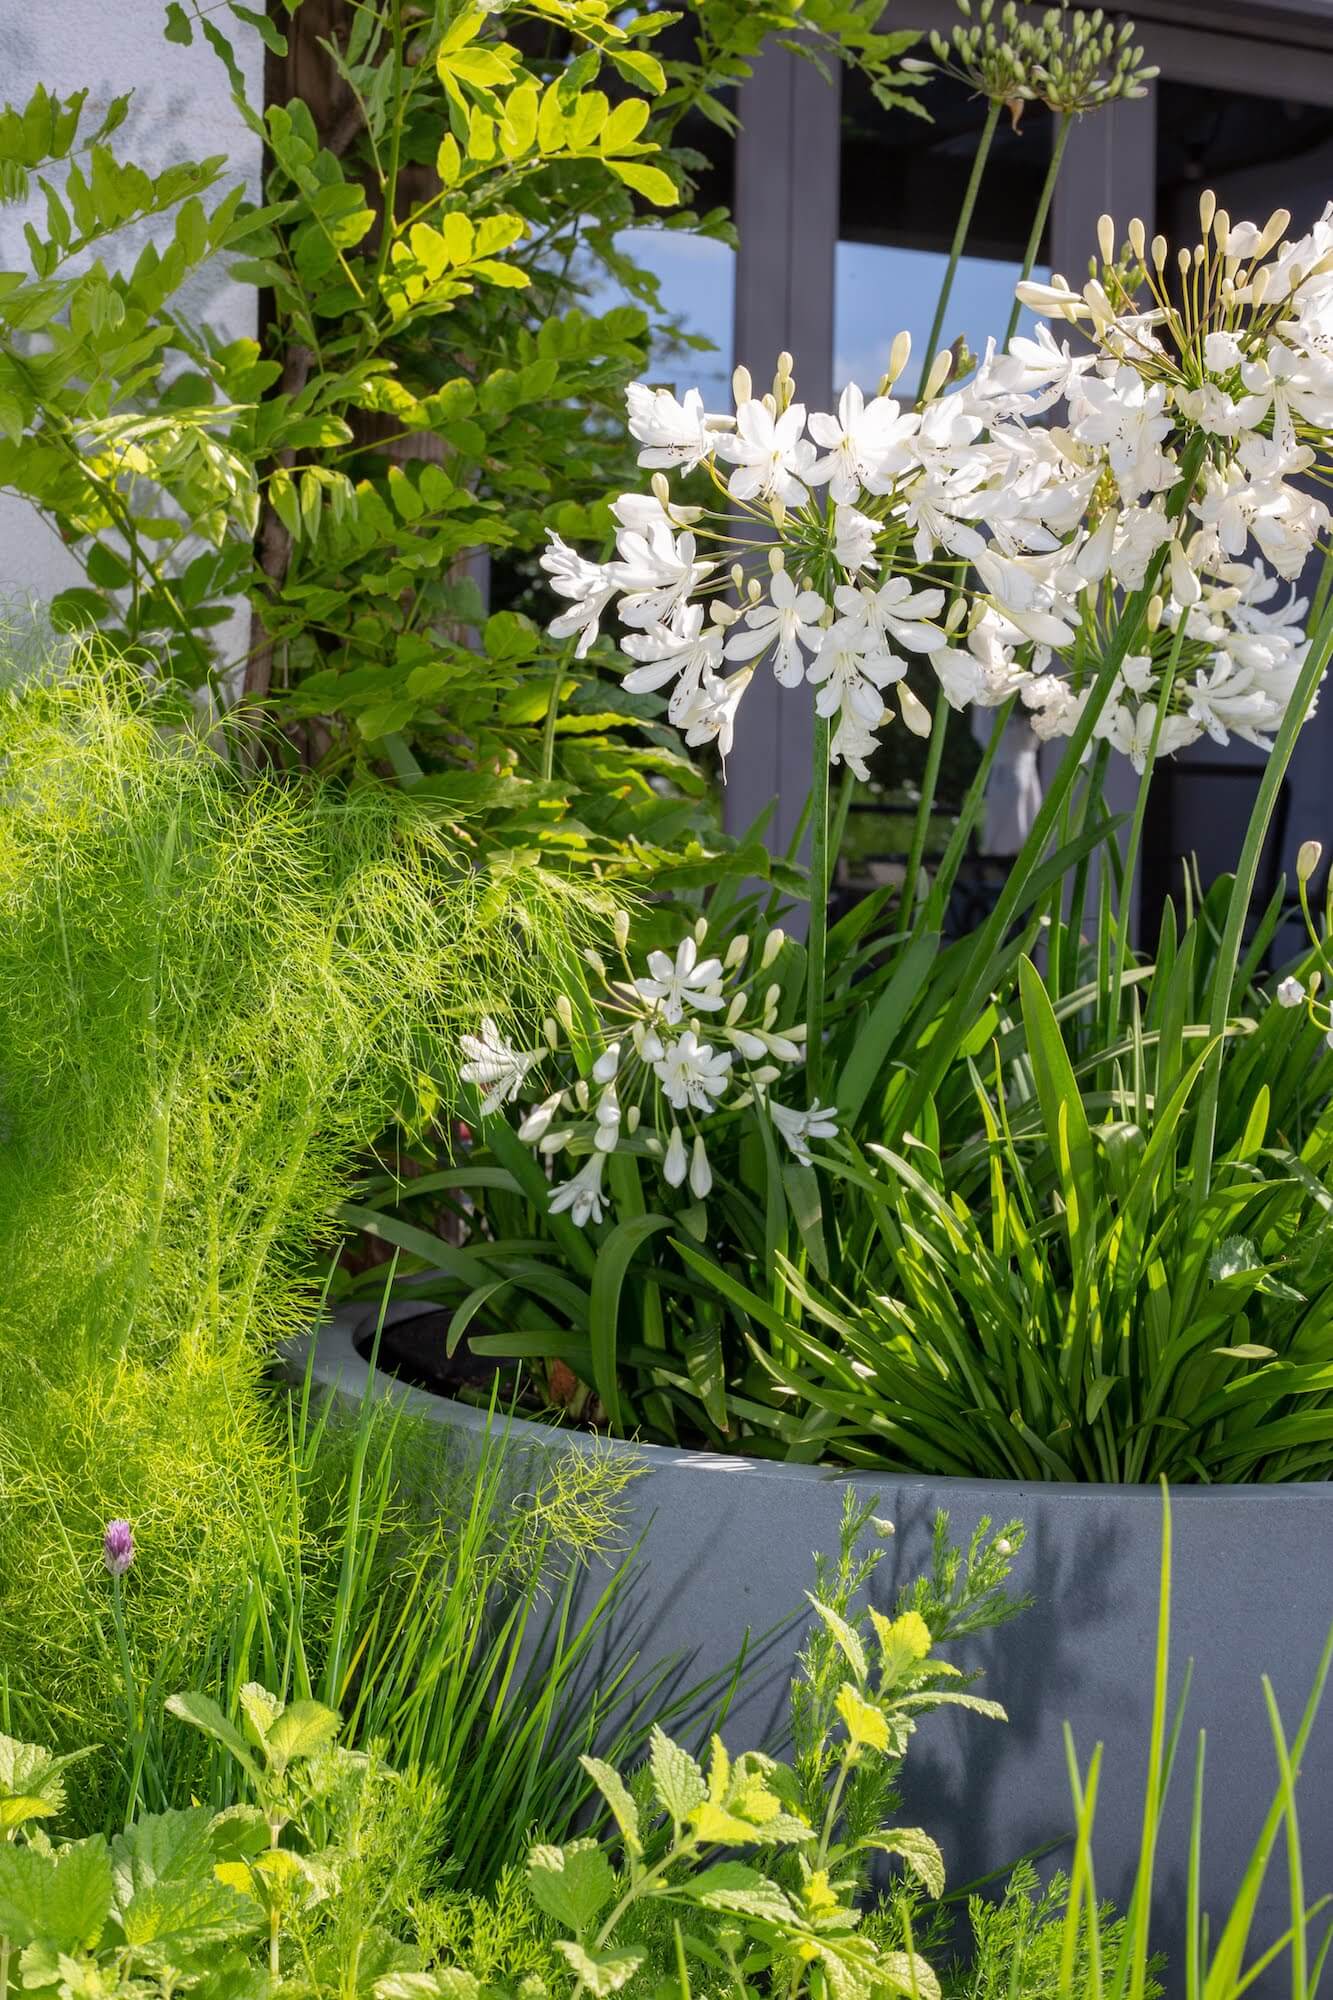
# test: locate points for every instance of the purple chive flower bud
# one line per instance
(118, 1547)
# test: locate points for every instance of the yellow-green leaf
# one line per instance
(902, 1641)
(865, 1724)
(650, 182)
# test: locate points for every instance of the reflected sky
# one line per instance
(698, 280)
(879, 289)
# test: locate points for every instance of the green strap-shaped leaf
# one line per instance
(613, 1261)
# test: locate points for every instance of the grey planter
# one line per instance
(728, 1545)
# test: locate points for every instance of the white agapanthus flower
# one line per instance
(685, 983)
(656, 1080)
(789, 623)
(693, 1074)
(798, 1128)
(993, 530)
(1291, 993)
(495, 1066)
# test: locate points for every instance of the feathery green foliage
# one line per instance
(213, 995)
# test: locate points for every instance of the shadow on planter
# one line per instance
(728, 1545)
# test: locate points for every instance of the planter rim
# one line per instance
(336, 1361)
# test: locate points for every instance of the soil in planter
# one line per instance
(416, 1350)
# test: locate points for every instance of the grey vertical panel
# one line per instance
(787, 216)
(1110, 168)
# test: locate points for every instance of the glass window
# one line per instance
(902, 187)
(695, 275)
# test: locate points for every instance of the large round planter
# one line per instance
(728, 1544)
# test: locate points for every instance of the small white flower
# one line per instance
(538, 1118)
(1291, 993)
(671, 433)
(771, 458)
(709, 716)
(686, 982)
(788, 623)
(820, 1121)
(582, 1195)
(607, 1063)
(692, 1073)
(607, 1134)
(864, 445)
(590, 586)
(854, 537)
(495, 1066)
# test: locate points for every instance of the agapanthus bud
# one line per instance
(564, 1013)
(676, 1165)
(773, 944)
(118, 1547)
(621, 928)
(1138, 237)
(1106, 238)
(899, 355)
(1307, 860)
(741, 386)
(939, 374)
(661, 489)
(596, 961)
(1153, 615)
(1291, 993)
(701, 1174)
(1207, 210)
(737, 951)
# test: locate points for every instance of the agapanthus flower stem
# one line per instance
(959, 241)
(1136, 824)
(821, 862)
(930, 779)
(1238, 905)
(974, 803)
(1063, 124)
(962, 1008)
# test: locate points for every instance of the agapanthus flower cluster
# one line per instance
(988, 534)
(682, 1044)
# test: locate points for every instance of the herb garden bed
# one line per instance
(727, 1545)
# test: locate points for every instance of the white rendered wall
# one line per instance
(181, 110)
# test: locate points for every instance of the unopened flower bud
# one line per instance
(621, 928)
(1307, 860)
(1159, 251)
(118, 1547)
(701, 1174)
(939, 374)
(737, 951)
(607, 1063)
(1003, 1546)
(899, 355)
(1291, 993)
(1106, 238)
(661, 489)
(596, 961)
(915, 714)
(776, 560)
(701, 930)
(773, 944)
(1274, 230)
(1153, 616)
(632, 1117)
(778, 509)
(1138, 239)
(564, 1013)
(957, 611)
(1207, 210)
(771, 998)
(741, 387)
(550, 1033)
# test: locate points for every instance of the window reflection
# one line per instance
(902, 188)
